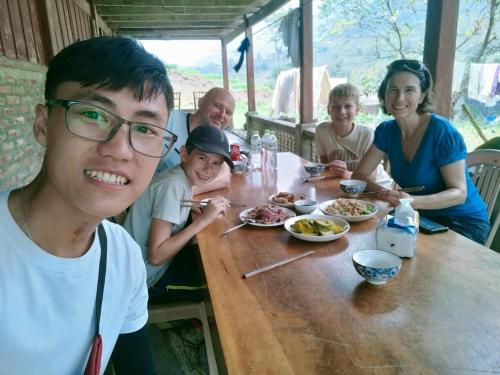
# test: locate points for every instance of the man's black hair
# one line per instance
(112, 63)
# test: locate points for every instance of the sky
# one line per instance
(183, 52)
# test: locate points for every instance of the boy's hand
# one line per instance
(339, 169)
(215, 207)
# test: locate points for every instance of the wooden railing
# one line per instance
(296, 138)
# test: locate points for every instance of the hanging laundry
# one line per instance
(286, 95)
(242, 49)
(458, 75)
(289, 29)
(483, 83)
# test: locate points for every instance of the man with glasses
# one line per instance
(103, 126)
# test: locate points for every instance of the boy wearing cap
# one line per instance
(157, 220)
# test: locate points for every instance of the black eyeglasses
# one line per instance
(92, 122)
(405, 63)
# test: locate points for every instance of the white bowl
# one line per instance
(350, 218)
(305, 206)
(376, 266)
(344, 224)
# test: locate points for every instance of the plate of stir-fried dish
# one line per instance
(268, 215)
(352, 210)
(317, 228)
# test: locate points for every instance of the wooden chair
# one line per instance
(196, 96)
(177, 99)
(186, 310)
(484, 166)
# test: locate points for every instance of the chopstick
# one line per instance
(204, 203)
(311, 179)
(280, 263)
(411, 189)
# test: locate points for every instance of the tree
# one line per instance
(365, 35)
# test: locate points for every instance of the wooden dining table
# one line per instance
(439, 315)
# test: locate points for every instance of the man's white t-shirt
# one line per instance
(161, 200)
(47, 303)
(178, 123)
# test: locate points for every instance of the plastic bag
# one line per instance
(405, 215)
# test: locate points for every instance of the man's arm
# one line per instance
(219, 182)
(132, 353)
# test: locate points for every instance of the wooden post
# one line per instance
(439, 49)
(49, 35)
(306, 62)
(250, 69)
(225, 75)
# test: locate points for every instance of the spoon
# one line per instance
(245, 222)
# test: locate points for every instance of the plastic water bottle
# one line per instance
(255, 150)
(266, 141)
(272, 154)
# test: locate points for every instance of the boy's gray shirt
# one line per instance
(161, 200)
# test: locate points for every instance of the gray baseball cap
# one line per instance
(209, 138)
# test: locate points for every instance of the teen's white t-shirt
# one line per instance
(351, 147)
(47, 303)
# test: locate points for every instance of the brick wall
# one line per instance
(21, 88)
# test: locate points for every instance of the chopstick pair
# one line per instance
(411, 189)
(189, 202)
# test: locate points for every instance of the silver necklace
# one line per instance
(23, 216)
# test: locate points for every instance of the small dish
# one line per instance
(376, 266)
(305, 206)
(314, 238)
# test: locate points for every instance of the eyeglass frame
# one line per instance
(67, 103)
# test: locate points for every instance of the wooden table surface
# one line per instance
(440, 315)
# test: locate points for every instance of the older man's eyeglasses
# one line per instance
(98, 124)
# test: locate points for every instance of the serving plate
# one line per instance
(245, 214)
(287, 205)
(313, 238)
(350, 218)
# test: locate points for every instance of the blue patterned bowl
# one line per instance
(314, 168)
(376, 266)
(239, 166)
(352, 186)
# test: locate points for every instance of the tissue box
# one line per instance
(396, 239)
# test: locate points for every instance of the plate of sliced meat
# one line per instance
(285, 199)
(268, 215)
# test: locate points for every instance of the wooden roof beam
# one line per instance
(258, 16)
(176, 3)
(171, 17)
(168, 25)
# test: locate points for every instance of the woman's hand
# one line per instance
(339, 169)
(392, 196)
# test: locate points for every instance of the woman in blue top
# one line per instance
(424, 149)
